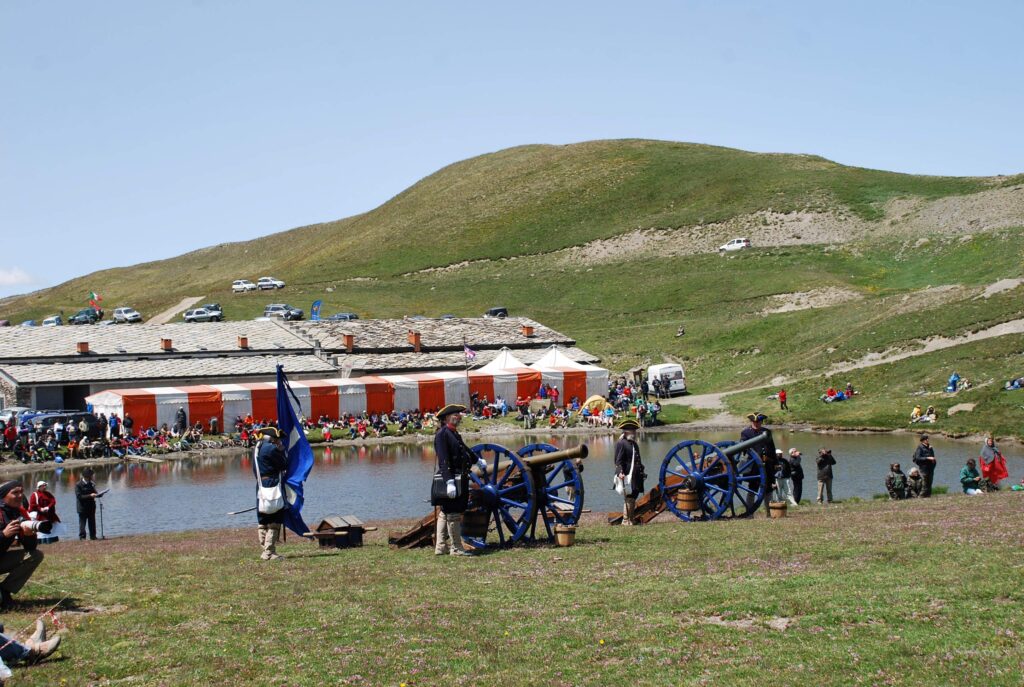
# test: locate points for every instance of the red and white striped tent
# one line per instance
(506, 376)
(570, 377)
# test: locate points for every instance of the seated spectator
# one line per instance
(896, 483)
(915, 414)
(970, 479)
(915, 484)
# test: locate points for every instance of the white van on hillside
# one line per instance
(672, 376)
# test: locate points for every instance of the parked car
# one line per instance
(269, 283)
(496, 312)
(735, 244)
(242, 285)
(202, 315)
(86, 316)
(29, 323)
(342, 317)
(127, 315)
(48, 420)
(282, 310)
(53, 321)
(215, 310)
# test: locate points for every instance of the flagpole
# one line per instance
(469, 396)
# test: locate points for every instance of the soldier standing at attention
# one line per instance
(454, 460)
(629, 467)
(766, 451)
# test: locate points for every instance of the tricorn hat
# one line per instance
(629, 425)
(757, 417)
(450, 409)
(271, 432)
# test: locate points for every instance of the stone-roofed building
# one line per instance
(57, 367)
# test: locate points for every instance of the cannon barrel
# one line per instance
(742, 446)
(542, 459)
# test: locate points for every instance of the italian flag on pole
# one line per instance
(94, 299)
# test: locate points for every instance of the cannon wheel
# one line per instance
(708, 467)
(750, 482)
(507, 496)
(556, 509)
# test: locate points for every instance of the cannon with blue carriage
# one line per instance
(522, 496)
(701, 481)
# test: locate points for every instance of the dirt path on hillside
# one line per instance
(167, 315)
(938, 343)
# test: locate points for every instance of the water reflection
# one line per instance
(392, 480)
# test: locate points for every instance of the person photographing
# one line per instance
(17, 564)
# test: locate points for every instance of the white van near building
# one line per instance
(672, 376)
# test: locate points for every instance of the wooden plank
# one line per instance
(419, 535)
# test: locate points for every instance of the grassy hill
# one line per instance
(908, 255)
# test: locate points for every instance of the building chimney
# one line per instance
(83, 347)
(349, 340)
(165, 345)
(414, 340)
(527, 330)
(243, 342)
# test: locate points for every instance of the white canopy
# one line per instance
(505, 360)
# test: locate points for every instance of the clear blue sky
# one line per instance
(131, 131)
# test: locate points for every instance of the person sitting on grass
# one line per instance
(896, 483)
(35, 649)
(915, 484)
(915, 414)
(970, 479)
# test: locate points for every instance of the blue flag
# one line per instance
(314, 311)
(300, 453)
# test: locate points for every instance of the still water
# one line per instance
(392, 481)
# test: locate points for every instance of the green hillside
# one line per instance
(511, 212)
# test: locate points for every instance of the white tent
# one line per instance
(561, 371)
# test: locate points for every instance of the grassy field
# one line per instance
(880, 593)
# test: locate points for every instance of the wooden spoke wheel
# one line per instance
(702, 467)
(505, 494)
(750, 481)
(559, 491)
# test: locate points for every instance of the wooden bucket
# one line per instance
(777, 509)
(687, 500)
(474, 524)
(565, 535)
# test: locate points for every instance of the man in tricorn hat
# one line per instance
(454, 461)
(766, 451)
(270, 464)
(630, 468)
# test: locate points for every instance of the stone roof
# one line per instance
(385, 363)
(27, 343)
(171, 368)
(435, 334)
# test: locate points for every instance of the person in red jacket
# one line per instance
(782, 400)
(43, 503)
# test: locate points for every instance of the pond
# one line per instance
(378, 482)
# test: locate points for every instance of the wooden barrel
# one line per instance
(777, 509)
(565, 535)
(474, 524)
(687, 500)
